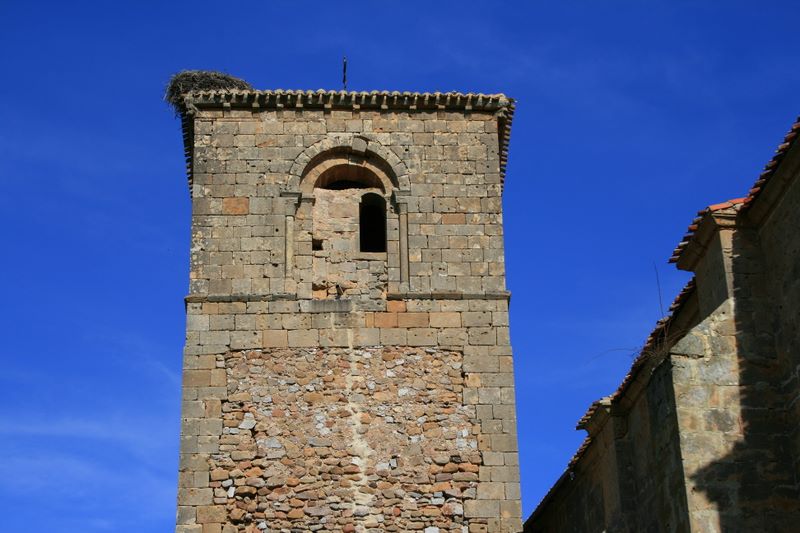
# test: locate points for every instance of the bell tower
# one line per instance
(347, 363)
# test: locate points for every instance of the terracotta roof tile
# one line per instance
(659, 334)
(735, 203)
(774, 163)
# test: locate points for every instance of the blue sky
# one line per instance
(631, 116)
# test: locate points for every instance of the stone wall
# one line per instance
(338, 377)
(781, 249)
(327, 388)
(451, 205)
(339, 268)
(628, 476)
(341, 437)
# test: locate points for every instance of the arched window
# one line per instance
(372, 223)
(342, 176)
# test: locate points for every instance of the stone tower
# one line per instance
(347, 364)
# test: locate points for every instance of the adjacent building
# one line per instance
(703, 434)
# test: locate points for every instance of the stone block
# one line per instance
(421, 336)
(396, 306)
(244, 340)
(493, 458)
(452, 337)
(211, 514)
(413, 320)
(193, 496)
(276, 338)
(504, 443)
(366, 336)
(510, 509)
(453, 218)
(489, 491)
(445, 320)
(477, 319)
(480, 363)
(196, 378)
(235, 206)
(303, 338)
(481, 508)
(186, 514)
(333, 337)
(394, 336)
(385, 320)
(482, 336)
(218, 377)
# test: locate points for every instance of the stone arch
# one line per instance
(329, 166)
(348, 149)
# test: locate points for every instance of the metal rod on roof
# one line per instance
(344, 72)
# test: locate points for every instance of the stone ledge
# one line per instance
(444, 295)
(226, 298)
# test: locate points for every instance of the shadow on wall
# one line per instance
(754, 486)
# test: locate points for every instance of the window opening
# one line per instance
(316, 245)
(372, 223)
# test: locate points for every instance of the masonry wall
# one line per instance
(707, 390)
(586, 497)
(243, 161)
(781, 249)
(653, 489)
(629, 478)
(331, 390)
(736, 430)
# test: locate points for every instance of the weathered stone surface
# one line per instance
(324, 383)
(370, 438)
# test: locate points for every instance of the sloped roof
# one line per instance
(770, 168)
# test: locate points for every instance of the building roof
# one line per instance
(500, 104)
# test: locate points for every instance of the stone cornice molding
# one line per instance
(381, 100)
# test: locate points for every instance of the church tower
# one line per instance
(347, 364)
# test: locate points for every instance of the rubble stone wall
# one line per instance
(340, 269)
(341, 437)
(335, 377)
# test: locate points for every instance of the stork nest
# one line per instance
(200, 80)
